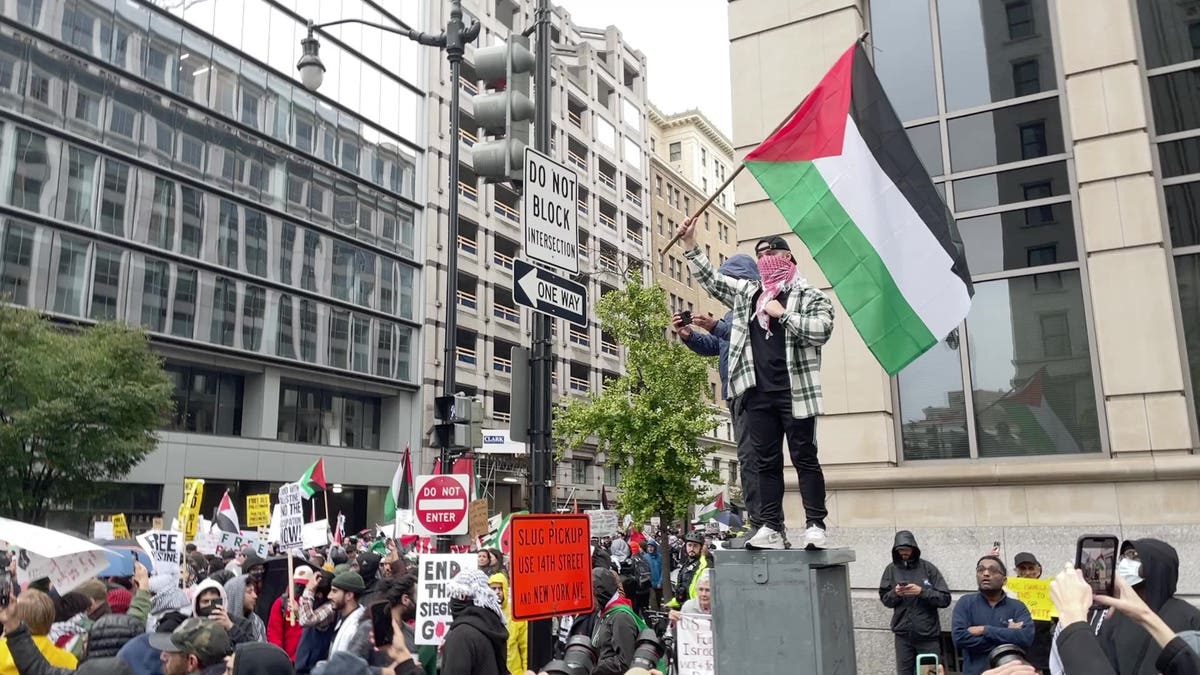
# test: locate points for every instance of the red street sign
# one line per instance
(551, 566)
(442, 504)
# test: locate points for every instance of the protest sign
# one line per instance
(315, 534)
(237, 542)
(551, 566)
(603, 522)
(1035, 593)
(189, 509)
(166, 550)
(156, 523)
(433, 606)
(477, 519)
(120, 527)
(102, 530)
(291, 516)
(694, 637)
(258, 510)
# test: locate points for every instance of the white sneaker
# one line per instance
(814, 536)
(766, 538)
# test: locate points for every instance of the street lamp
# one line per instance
(454, 40)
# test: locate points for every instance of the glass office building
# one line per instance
(161, 166)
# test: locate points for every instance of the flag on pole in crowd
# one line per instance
(398, 493)
(603, 498)
(339, 532)
(577, 505)
(847, 180)
(313, 480)
(710, 511)
(227, 517)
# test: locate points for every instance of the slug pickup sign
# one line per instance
(538, 289)
(551, 565)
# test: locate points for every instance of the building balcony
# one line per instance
(583, 208)
(468, 245)
(608, 264)
(633, 197)
(502, 417)
(506, 313)
(580, 338)
(575, 118)
(580, 384)
(608, 181)
(466, 355)
(469, 139)
(577, 160)
(607, 220)
(609, 348)
(635, 237)
(468, 192)
(468, 300)
(505, 211)
(501, 365)
(502, 260)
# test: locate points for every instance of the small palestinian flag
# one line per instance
(710, 511)
(398, 495)
(313, 480)
(844, 174)
(227, 517)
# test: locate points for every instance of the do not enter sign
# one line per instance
(551, 566)
(441, 504)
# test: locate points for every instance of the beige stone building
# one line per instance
(1070, 165)
(682, 147)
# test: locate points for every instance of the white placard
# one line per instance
(549, 209)
(166, 550)
(603, 523)
(291, 516)
(433, 602)
(315, 534)
(102, 530)
(695, 639)
(237, 542)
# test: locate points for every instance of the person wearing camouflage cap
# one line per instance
(196, 646)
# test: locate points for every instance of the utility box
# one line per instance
(783, 612)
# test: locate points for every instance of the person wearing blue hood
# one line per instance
(715, 342)
(654, 559)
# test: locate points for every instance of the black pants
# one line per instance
(765, 419)
(907, 650)
(749, 476)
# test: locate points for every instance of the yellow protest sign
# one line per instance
(120, 527)
(258, 510)
(1035, 593)
(189, 510)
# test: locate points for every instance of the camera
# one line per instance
(648, 652)
(1006, 654)
(579, 658)
(685, 318)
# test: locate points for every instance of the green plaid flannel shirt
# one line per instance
(807, 318)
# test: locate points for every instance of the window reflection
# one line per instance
(933, 406)
(1187, 274)
(1007, 187)
(1010, 134)
(1042, 235)
(1170, 33)
(328, 417)
(205, 401)
(1175, 101)
(900, 29)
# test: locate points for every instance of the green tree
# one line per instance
(77, 408)
(650, 419)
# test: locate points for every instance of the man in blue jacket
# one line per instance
(987, 619)
(654, 558)
(715, 342)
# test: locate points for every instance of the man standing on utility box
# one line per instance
(779, 325)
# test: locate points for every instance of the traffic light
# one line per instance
(461, 422)
(505, 113)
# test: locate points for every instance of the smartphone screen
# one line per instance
(381, 623)
(1096, 557)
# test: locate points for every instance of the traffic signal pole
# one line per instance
(541, 635)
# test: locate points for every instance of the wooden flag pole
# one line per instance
(742, 165)
(291, 586)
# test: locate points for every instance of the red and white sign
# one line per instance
(442, 504)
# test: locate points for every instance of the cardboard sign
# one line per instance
(315, 534)
(189, 509)
(477, 519)
(102, 530)
(120, 527)
(156, 523)
(603, 523)
(237, 542)
(166, 550)
(291, 516)
(1035, 593)
(694, 637)
(258, 510)
(433, 601)
(551, 566)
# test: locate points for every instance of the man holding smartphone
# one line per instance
(780, 323)
(914, 590)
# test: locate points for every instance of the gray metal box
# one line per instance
(783, 612)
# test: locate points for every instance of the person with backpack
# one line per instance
(638, 568)
(913, 588)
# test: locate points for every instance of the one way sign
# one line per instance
(550, 293)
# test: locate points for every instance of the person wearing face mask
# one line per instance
(477, 642)
(985, 620)
(780, 323)
(1151, 567)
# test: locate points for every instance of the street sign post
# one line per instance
(538, 289)
(442, 504)
(549, 207)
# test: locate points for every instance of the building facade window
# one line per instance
(675, 151)
(205, 401)
(1016, 377)
(328, 417)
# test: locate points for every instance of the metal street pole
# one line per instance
(541, 635)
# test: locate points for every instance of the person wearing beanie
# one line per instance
(477, 642)
(353, 631)
(985, 620)
(260, 659)
(119, 599)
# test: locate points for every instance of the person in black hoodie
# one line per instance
(914, 590)
(368, 569)
(477, 642)
(1151, 567)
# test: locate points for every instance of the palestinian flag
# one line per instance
(313, 480)
(1031, 424)
(845, 177)
(711, 510)
(501, 538)
(398, 494)
(227, 517)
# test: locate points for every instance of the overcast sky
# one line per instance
(686, 43)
